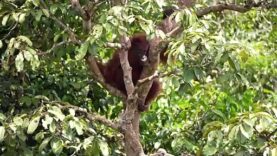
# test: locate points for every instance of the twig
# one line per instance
(157, 75)
(8, 34)
(54, 47)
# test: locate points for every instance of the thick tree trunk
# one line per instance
(131, 133)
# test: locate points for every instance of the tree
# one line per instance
(46, 86)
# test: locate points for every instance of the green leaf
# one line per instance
(1, 44)
(182, 48)
(246, 131)
(211, 126)
(57, 36)
(87, 142)
(39, 136)
(79, 128)
(38, 15)
(57, 146)
(53, 9)
(47, 121)
(18, 121)
(44, 143)
(157, 145)
(57, 112)
(46, 12)
(92, 150)
(15, 16)
(97, 31)
(52, 127)
(33, 125)
(5, 20)
(199, 74)
(274, 151)
(219, 113)
(36, 2)
(179, 16)
(209, 150)
(19, 62)
(188, 75)
(2, 133)
(275, 112)
(104, 148)
(82, 51)
(233, 63)
(21, 18)
(25, 39)
(27, 55)
(233, 133)
(160, 3)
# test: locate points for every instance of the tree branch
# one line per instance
(157, 75)
(233, 7)
(127, 69)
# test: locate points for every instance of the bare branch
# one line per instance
(221, 7)
(8, 34)
(234, 7)
(157, 75)
(56, 45)
(127, 69)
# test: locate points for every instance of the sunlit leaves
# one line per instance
(38, 15)
(2, 133)
(44, 143)
(56, 145)
(160, 3)
(36, 2)
(25, 39)
(87, 142)
(33, 125)
(19, 62)
(97, 31)
(21, 18)
(53, 9)
(214, 141)
(146, 25)
(82, 51)
(46, 12)
(18, 121)
(57, 112)
(5, 19)
(180, 143)
(104, 148)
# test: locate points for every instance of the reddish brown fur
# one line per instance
(113, 73)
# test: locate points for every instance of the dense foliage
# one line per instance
(220, 100)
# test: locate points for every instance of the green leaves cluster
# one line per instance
(53, 129)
